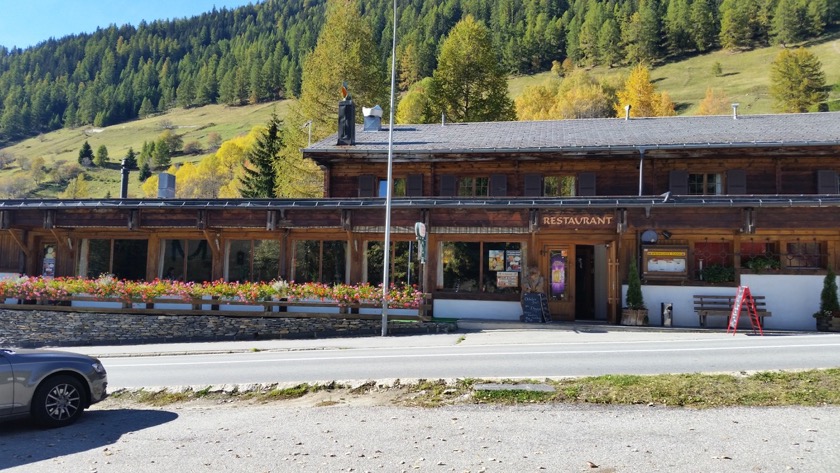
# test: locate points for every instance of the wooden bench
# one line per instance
(709, 305)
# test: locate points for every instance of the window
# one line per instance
(473, 186)
(760, 256)
(399, 187)
(705, 184)
(125, 259)
(713, 261)
(493, 267)
(805, 255)
(253, 260)
(187, 260)
(559, 186)
(405, 266)
(320, 261)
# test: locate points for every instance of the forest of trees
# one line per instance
(255, 53)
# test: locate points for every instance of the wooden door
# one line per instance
(559, 276)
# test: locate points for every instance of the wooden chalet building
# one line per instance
(704, 203)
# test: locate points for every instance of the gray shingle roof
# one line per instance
(606, 133)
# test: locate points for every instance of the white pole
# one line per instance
(387, 253)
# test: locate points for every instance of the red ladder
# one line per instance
(743, 297)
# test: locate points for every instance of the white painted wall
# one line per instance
(488, 310)
(790, 298)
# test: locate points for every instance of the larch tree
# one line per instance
(345, 52)
(640, 93)
(259, 178)
(469, 84)
(714, 103)
(101, 157)
(797, 81)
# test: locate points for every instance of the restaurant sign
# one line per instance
(580, 220)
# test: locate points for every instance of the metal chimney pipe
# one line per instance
(124, 180)
(735, 111)
(627, 112)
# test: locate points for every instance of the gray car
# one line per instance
(53, 387)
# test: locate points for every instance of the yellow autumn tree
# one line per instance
(714, 103)
(582, 96)
(640, 93)
(537, 101)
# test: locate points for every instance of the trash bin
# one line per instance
(667, 314)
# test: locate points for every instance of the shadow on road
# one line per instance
(22, 442)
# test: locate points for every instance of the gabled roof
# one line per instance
(805, 129)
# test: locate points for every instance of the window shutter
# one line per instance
(736, 182)
(826, 182)
(586, 184)
(498, 185)
(414, 185)
(367, 185)
(678, 182)
(448, 185)
(533, 185)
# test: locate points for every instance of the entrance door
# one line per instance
(584, 282)
(581, 281)
(560, 287)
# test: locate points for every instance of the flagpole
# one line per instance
(387, 251)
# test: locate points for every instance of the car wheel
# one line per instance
(59, 401)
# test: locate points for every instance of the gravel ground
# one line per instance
(369, 435)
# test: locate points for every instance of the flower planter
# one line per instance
(634, 316)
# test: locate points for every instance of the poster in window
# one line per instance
(48, 269)
(496, 260)
(514, 260)
(558, 274)
(507, 279)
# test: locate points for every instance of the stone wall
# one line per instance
(38, 328)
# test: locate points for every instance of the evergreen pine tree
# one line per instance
(131, 159)
(145, 172)
(259, 178)
(86, 154)
(797, 81)
(101, 156)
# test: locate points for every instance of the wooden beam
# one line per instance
(19, 243)
(213, 242)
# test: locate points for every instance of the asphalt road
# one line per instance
(512, 355)
(329, 432)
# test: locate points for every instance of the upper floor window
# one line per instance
(398, 190)
(705, 184)
(473, 186)
(559, 186)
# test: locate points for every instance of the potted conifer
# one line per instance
(829, 305)
(634, 311)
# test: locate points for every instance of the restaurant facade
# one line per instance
(703, 204)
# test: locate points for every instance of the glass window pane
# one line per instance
(130, 259)
(199, 261)
(502, 259)
(239, 260)
(335, 262)
(461, 266)
(173, 259)
(375, 260)
(99, 258)
(307, 260)
(266, 260)
(466, 187)
(482, 186)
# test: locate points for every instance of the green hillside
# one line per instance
(745, 77)
(192, 124)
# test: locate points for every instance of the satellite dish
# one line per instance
(649, 236)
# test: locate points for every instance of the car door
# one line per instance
(7, 385)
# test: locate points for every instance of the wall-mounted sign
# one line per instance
(507, 279)
(496, 260)
(665, 262)
(554, 220)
